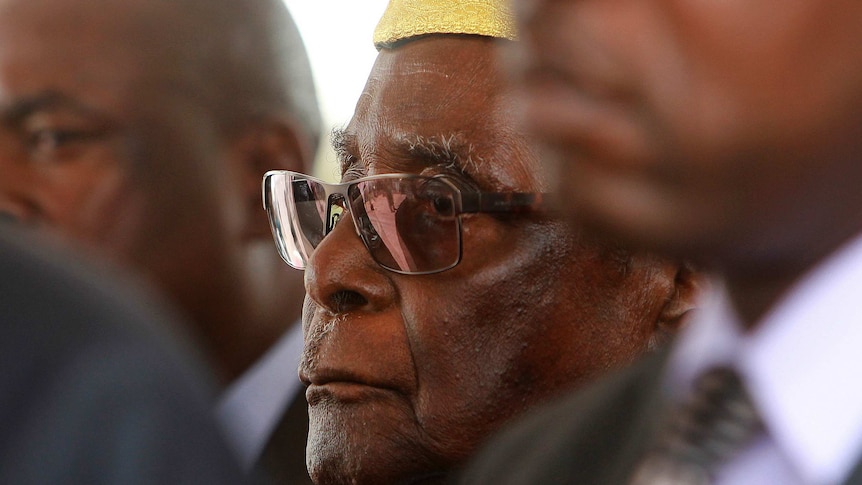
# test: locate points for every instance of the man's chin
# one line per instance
(365, 442)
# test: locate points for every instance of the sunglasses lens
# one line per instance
(408, 224)
(297, 215)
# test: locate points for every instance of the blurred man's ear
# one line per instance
(267, 144)
(678, 309)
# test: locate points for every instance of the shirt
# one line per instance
(802, 365)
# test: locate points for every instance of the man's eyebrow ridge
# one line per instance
(23, 107)
(343, 144)
(449, 150)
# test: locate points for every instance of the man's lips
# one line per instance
(340, 385)
(350, 358)
(340, 391)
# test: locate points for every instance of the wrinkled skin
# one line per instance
(725, 131)
(109, 142)
(407, 374)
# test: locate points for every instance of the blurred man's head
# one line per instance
(728, 131)
(139, 129)
(408, 373)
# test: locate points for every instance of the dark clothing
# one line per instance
(283, 458)
(573, 441)
(92, 389)
(595, 437)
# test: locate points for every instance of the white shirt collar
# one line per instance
(251, 407)
(802, 364)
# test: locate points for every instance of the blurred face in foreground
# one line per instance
(730, 131)
(408, 373)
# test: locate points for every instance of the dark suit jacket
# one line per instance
(93, 390)
(283, 457)
(595, 437)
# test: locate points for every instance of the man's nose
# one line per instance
(341, 276)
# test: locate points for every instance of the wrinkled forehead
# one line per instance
(443, 93)
(439, 75)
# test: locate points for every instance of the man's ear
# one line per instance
(267, 144)
(688, 285)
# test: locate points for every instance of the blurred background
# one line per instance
(337, 34)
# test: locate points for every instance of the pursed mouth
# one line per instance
(324, 383)
(344, 392)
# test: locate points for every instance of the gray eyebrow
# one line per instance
(450, 151)
(344, 144)
(447, 150)
(341, 144)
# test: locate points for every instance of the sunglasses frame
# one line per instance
(465, 203)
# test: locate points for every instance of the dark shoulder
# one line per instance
(574, 440)
(95, 387)
(54, 298)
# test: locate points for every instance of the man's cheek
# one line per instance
(116, 217)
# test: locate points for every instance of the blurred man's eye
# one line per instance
(52, 139)
(59, 135)
(59, 144)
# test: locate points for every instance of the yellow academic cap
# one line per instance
(409, 18)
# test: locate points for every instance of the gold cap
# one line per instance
(409, 18)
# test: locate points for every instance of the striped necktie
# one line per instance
(716, 420)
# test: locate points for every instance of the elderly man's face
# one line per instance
(717, 127)
(407, 374)
(98, 145)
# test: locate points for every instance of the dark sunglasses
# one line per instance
(410, 223)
